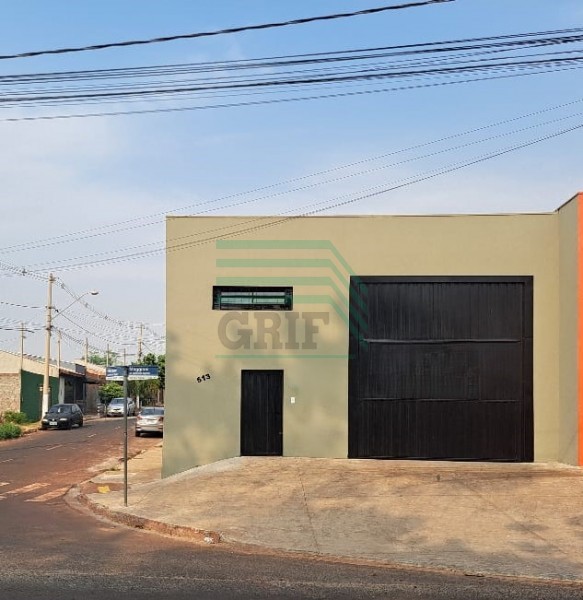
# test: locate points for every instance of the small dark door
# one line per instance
(261, 413)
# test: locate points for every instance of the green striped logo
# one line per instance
(325, 271)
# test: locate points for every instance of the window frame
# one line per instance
(253, 293)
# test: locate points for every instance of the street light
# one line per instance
(46, 387)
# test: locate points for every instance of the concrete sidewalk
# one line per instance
(477, 518)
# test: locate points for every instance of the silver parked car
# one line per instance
(150, 420)
(116, 408)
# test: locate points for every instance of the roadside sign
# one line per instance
(135, 373)
(142, 372)
(115, 373)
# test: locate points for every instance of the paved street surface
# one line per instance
(50, 550)
(41, 467)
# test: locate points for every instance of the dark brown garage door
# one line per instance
(441, 368)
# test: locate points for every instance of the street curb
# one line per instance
(78, 495)
(208, 537)
(198, 535)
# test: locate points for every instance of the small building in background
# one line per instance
(21, 381)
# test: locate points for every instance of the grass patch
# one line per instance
(9, 431)
(12, 416)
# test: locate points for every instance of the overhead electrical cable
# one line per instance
(231, 30)
(88, 332)
(444, 47)
(369, 171)
(224, 105)
(125, 330)
(20, 305)
(284, 83)
(135, 222)
(284, 77)
(497, 66)
(131, 325)
(314, 208)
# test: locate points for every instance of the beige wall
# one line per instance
(568, 348)
(9, 392)
(10, 363)
(203, 418)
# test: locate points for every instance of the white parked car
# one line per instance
(116, 407)
(150, 420)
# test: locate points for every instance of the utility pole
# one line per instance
(46, 382)
(86, 351)
(140, 343)
(59, 351)
(22, 338)
(138, 406)
(107, 356)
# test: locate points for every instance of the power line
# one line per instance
(128, 326)
(224, 105)
(335, 180)
(477, 46)
(484, 45)
(308, 80)
(20, 305)
(63, 239)
(454, 51)
(404, 183)
(262, 83)
(231, 30)
(102, 230)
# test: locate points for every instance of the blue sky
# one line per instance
(63, 176)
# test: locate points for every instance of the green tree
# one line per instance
(110, 390)
(98, 359)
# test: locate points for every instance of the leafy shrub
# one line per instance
(109, 391)
(9, 431)
(12, 416)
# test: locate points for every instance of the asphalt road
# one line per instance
(49, 549)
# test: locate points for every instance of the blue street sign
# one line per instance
(115, 373)
(142, 372)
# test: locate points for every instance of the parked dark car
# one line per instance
(62, 416)
(150, 420)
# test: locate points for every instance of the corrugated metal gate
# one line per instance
(441, 368)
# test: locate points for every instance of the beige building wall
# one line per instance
(203, 419)
(569, 325)
(10, 362)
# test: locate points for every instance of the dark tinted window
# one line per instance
(252, 298)
(60, 408)
(152, 410)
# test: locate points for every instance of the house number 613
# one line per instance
(202, 378)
